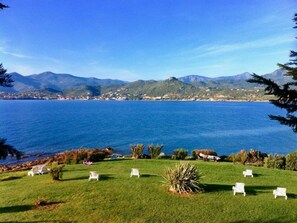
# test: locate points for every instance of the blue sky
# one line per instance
(146, 39)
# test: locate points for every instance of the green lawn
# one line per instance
(118, 198)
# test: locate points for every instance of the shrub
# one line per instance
(154, 150)
(253, 157)
(179, 154)
(276, 161)
(136, 150)
(269, 162)
(292, 161)
(56, 171)
(183, 178)
(96, 156)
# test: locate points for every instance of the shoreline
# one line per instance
(170, 100)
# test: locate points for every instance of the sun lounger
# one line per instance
(34, 171)
(248, 173)
(39, 169)
(135, 172)
(238, 188)
(280, 191)
(94, 175)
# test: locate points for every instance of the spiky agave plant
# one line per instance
(183, 178)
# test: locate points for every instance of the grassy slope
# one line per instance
(118, 198)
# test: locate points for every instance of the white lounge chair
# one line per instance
(248, 173)
(34, 171)
(94, 175)
(280, 191)
(135, 172)
(42, 169)
(238, 188)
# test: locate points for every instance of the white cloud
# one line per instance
(206, 50)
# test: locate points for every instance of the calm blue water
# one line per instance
(54, 126)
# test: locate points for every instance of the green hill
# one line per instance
(82, 91)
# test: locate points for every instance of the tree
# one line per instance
(5, 79)
(3, 6)
(154, 150)
(6, 149)
(286, 94)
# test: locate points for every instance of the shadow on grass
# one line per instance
(105, 177)
(11, 178)
(17, 208)
(209, 188)
(77, 178)
(114, 160)
(292, 196)
(148, 175)
(257, 174)
(254, 190)
(250, 190)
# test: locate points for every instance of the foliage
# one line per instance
(292, 161)
(56, 170)
(6, 149)
(5, 79)
(286, 94)
(179, 154)
(154, 150)
(80, 155)
(97, 156)
(3, 6)
(183, 178)
(253, 157)
(276, 161)
(196, 152)
(136, 150)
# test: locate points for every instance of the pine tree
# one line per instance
(286, 94)
(6, 149)
(5, 79)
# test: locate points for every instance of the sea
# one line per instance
(48, 127)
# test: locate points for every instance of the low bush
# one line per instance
(136, 150)
(292, 161)
(154, 150)
(96, 156)
(80, 155)
(253, 157)
(276, 161)
(183, 178)
(179, 154)
(56, 171)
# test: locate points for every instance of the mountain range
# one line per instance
(50, 85)
(60, 82)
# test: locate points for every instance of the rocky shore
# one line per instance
(60, 158)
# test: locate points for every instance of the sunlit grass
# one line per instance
(118, 198)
